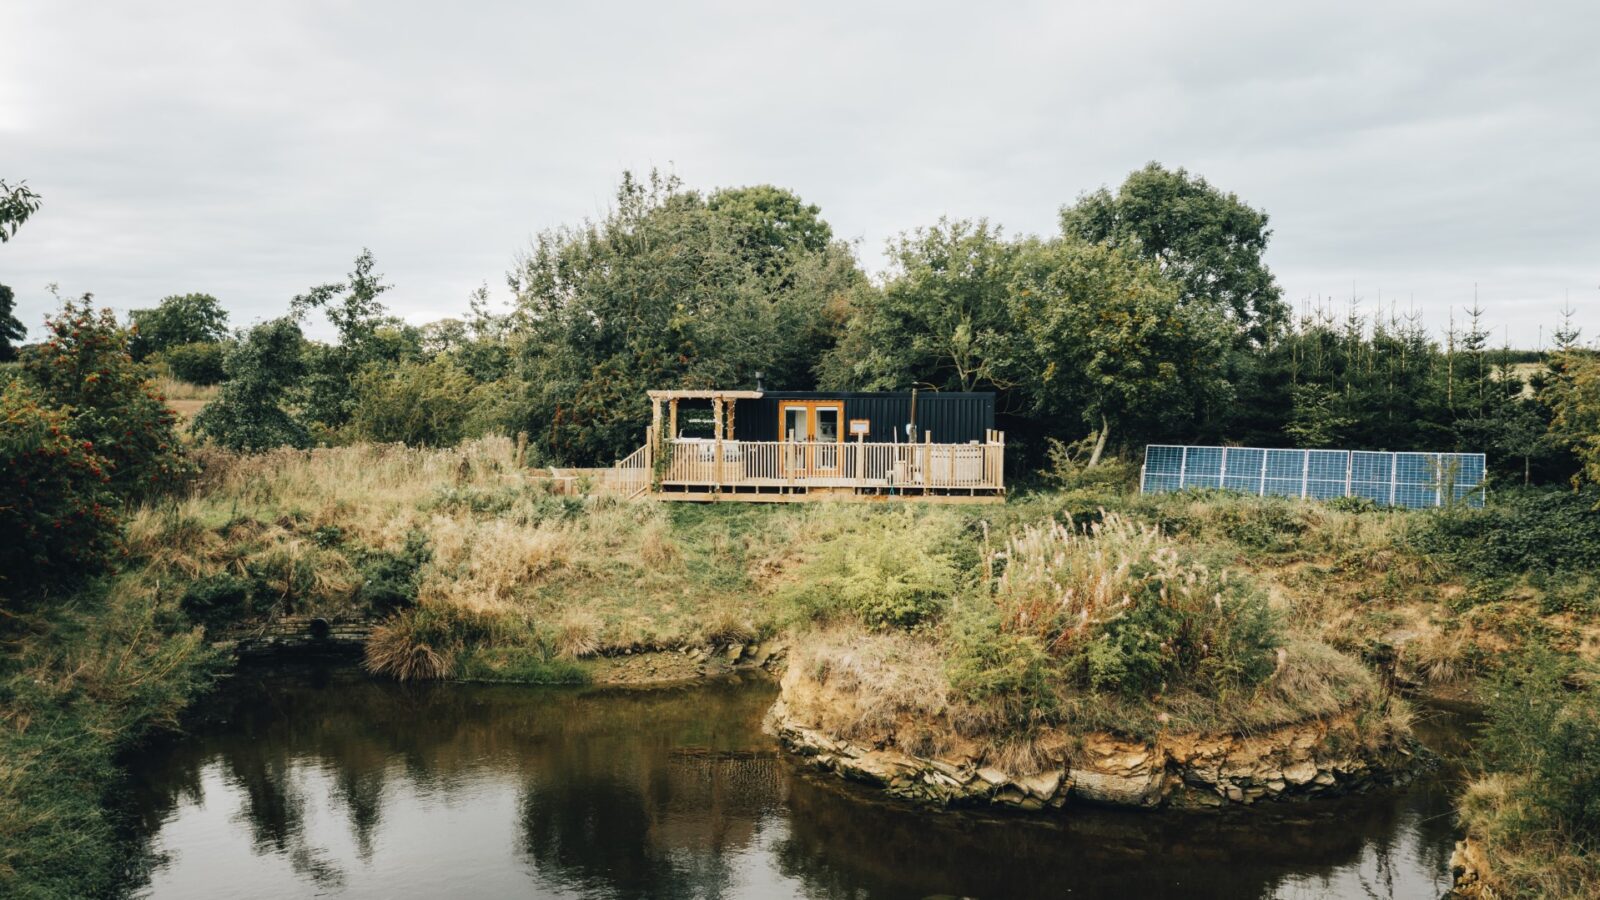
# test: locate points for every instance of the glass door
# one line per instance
(812, 432)
(827, 428)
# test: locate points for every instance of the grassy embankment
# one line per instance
(481, 572)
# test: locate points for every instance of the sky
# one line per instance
(1410, 155)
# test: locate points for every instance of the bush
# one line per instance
(84, 368)
(1522, 531)
(1120, 609)
(199, 363)
(427, 404)
(891, 572)
(1541, 725)
(389, 581)
(221, 600)
(261, 370)
(57, 518)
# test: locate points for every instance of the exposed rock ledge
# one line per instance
(1469, 865)
(1324, 756)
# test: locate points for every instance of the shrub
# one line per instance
(84, 368)
(261, 370)
(389, 581)
(198, 363)
(890, 572)
(220, 600)
(1120, 609)
(420, 404)
(1542, 726)
(57, 522)
(1522, 531)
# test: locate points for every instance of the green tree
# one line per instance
(11, 330)
(84, 368)
(176, 320)
(666, 291)
(367, 334)
(942, 319)
(1208, 241)
(18, 203)
(262, 371)
(1111, 341)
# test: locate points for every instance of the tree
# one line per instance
(425, 404)
(262, 369)
(11, 330)
(84, 368)
(1574, 397)
(18, 203)
(366, 335)
(1112, 342)
(177, 320)
(1209, 242)
(666, 291)
(942, 320)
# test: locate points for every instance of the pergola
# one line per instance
(720, 400)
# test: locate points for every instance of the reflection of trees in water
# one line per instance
(847, 843)
(653, 793)
(663, 827)
(610, 798)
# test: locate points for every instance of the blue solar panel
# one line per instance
(1409, 479)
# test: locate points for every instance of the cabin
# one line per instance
(792, 446)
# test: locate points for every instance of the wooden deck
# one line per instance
(787, 472)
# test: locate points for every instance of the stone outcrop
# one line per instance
(1469, 866)
(1323, 756)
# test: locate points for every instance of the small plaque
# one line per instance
(860, 427)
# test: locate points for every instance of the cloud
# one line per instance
(1404, 151)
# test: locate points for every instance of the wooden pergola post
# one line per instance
(672, 419)
(716, 421)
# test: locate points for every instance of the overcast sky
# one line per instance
(1405, 152)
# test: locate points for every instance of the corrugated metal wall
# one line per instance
(951, 418)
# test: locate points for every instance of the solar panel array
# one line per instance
(1412, 480)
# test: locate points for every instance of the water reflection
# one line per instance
(327, 783)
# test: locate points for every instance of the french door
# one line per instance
(813, 436)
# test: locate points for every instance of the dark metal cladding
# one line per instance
(942, 417)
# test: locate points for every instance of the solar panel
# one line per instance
(1412, 480)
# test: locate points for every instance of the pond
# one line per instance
(322, 782)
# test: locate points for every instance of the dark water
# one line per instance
(324, 783)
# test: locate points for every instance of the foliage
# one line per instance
(1209, 242)
(389, 580)
(177, 320)
(888, 572)
(84, 369)
(98, 675)
(18, 203)
(1575, 401)
(1122, 611)
(1111, 342)
(261, 371)
(942, 320)
(428, 404)
(199, 363)
(57, 519)
(667, 291)
(223, 599)
(367, 335)
(1523, 531)
(11, 330)
(1541, 726)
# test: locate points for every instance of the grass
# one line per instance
(82, 684)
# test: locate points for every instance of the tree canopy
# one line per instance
(1209, 241)
(177, 320)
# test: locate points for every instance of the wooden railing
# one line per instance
(817, 464)
(631, 475)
